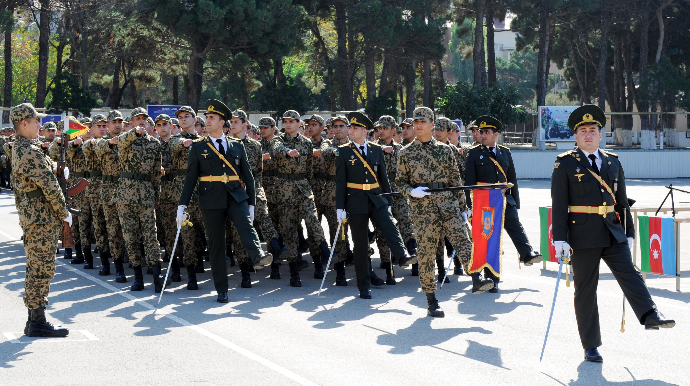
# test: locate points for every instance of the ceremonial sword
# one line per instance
(448, 268)
(507, 185)
(337, 233)
(177, 236)
(561, 259)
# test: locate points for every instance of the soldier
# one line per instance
(330, 133)
(490, 163)
(49, 130)
(580, 183)
(399, 207)
(219, 166)
(360, 178)
(314, 130)
(397, 135)
(423, 164)
(408, 134)
(41, 210)
(200, 126)
(293, 154)
(267, 128)
(79, 168)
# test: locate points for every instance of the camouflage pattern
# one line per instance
(138, 111)
(162, 117)
(341, 118)
(49, 126)
(24, 111)
(240, 114)
(267, 122)
(328, 122)
(317, 118)
(114, 115)
(435, 214)
(387, 121)
(443, 123)
(318, 180)
(166, 211)
(136, 196)
(328, 149)
(79, 167)
(173, 121)
(99, 118)
(292, 114)
(269, 181)
(85, 120)
(40, 217)
(108, 157)
(93, 194)
(423, 113)
(185, 109)
(201, 121)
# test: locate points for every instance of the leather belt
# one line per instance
(601, 210)
(95, 173)
(110, 178)
(433, 185)
(168, 177)
(34, 193)
(293, 176)
(81, 174)
(319, 176)
(135, 176)
(224, 178)
(269, 173)
(352, 185)
(181, 172)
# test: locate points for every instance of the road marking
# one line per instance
(9, 236)
(10, 336)
(13, 338)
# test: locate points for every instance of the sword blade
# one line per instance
(167, 272)
(448, 268)
(553, 306)
(325, 271)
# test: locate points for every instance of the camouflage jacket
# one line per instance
(33, 170)
(295, 190)
(268, 177)
(94, 164)
(140, 169)
(179, 159)
(254, 156)
(318, 168)
(168, 185)
(109, 164)
(391, 161)
(328, 148)
(74, 154)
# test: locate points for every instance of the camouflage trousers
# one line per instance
(115, 238)
(192, 238)
(262, 219)
(99, 226)
(166, 221)
(84, 223)
(139, 222)
(40, 243)
(401, 213)
(464, 253)
(290, 223)
(340, 245)
(432, 217)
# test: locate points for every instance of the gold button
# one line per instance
(573, 221)
(602, 190)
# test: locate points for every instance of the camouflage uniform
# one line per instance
(80, 169)
(435, 214)
(268, 176)
(53, 153)
(167, 201)
(328, 147)
(319, 176)
(93, 197)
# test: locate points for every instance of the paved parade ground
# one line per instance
(273, 334)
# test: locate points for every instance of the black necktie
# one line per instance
(361, 150)
(221, 149)
(594, 163)
(491, 152)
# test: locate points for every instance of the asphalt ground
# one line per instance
(279, 335)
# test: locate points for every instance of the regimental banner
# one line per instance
(73, 128)
(488, 212)
(546, 228)
(657, 245)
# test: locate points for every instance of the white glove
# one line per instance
(419, 192)
(68, 219)
(181, 215)
(562, 248)
(464, 216)
(66, 173)
(631, 242)
(251, 213)
(341, 215)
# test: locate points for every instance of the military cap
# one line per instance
(139, 111)
(341, 118)
(200, 121)
(174, 121)
(24, 111)
(454, 126)
(214, 106)
(267, 122)
(488, 122)
(162, 117)
(98, 118)
(239, 113)
(387, 120)
(85, 120)
(358, 119)
(126, 119)
(114, 115)
(443, 123)
(328, 122)
(407, 121)
(423, 113)
(586, 115)
(49, 126)
(150, 121)
(185, 109)
(317, 118)
(292, 114)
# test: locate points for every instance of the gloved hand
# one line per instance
(464, 216)
(251, 213)
(562, 248)
(66, 173)
(631, 242)
(469, 212)
(419, 192)
(68, 219)
(181, 215)
(341, 215)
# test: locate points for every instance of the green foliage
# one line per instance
(466, 102)
(521, 72)
(384, 104)
(68, 95)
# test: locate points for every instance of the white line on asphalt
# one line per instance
(13, 339)
(88, 334)
(9, 236)
(10, 336)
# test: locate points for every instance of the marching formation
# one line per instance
(213, 188)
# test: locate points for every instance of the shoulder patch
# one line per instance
(567, 153)
(337, 152)
(611, 154)
(556, 165)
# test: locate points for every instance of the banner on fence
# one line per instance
(546, 232)
(657, 245)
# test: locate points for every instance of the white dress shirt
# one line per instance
(215, 143)
(359, 147)
(598, 158)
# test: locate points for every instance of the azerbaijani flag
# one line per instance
(657, 245)
(547, 234)
(488, 208)
(73, 128)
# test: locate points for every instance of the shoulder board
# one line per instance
(475, 146)
(609, 153)
(199, 139)
(374, 144)
(567, 153)
(345, 145)
(503, 147)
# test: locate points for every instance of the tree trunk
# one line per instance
(383, 83)
(115, 94)
(279, 73)
(478, 52)
(176, 89)
(83, 63)
(343, 69)
(584, 98)
(543, 57)
(192, 96)
(133, 88)
(7, 97)
(332, 91)
(43, 51)
(427, 82)
(370, 72)
(491, 50)
(646, 135)
(352, 36)
(410, 83)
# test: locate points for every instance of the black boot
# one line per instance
(479, 285)
(441, 271)
(158, 281)
(340, 279)
(325, 253)
(318, 267)
(350, 259)
(277, 249)
(294, 276)
(275, 271)
(68, 254)
(302, 245)
(88, 258)
(78, 259)
(246, 276)
(390, 274)
(457, 270)
(301, 263)
(105, 265)
(415, 270)
(120, 272)
(39, 326)
(191, 275)
(149, 271)
(434, 309)
(375, 280)
(199, 267)
(175, 271)
(166, 257)
(412, 247)
(138, 284)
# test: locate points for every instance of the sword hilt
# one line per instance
(187, 223)
(343, 230)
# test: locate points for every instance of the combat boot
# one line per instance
(138, 284)
(326, 253)
(246, 276)
(105, 265)
(301, 263)
(275, 271)
(318, 268)
(166, 257)
(340, 279)
(88, 258)
(39, 326)
(415, 270)
(120, 272)
(261, 261)
(175, 271)
(199, 267)
(158, 281)
(390, 274)
(479, 285)
(441, 271)
(294, 276)
(191, 276)
(68, 254)
(78, 259)
(277, 249)
(434, 309)
(457, 270)
(375, 280)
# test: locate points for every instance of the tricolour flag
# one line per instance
(547, 234)
(657, 245)
(74, 128)
(488, 208)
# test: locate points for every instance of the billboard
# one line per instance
(51, 118)
(155, 110)
(553, 123)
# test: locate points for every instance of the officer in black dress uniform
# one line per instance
(588, 202)
(361, 176)
(219, 164)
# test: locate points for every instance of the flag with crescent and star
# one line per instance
(657, 245)
(547, 235)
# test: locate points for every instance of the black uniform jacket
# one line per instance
(480, 168)
(348, 168)
(573, 184)
(203, 161)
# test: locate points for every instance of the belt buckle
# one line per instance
(366, 186)
(603, 210)
(224, 178)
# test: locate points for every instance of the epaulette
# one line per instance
(345, 145)
(199, 139)
(609, 153)
(503, 147)
(374, 144)
(474, 146)
(567, 153)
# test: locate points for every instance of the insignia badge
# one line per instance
(237, 162)
(487, 222)
(577, 169)
(555, 166)
(587, 117)
(353, 162)
(481, 157)
(205, 155)
(337, 152)
(578, 177)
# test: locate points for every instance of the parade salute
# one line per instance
(589, 201)
(226, 189)
(41, 208)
